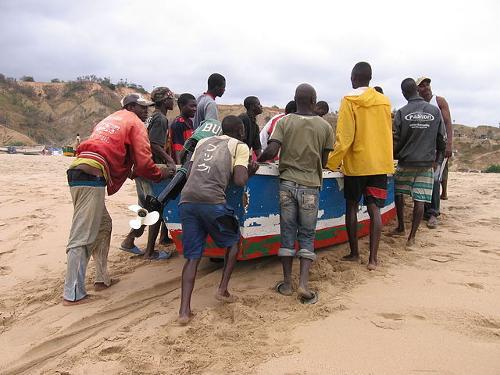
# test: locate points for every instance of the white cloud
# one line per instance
(263, 48)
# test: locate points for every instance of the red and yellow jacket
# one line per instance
(118, 143)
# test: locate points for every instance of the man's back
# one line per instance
(418, 126)
(303, 140)
(213, 162)
(364, 134)
(206, 109)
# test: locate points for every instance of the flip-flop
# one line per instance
(134, 250)
(309, 301)
(162, 255)
(278, 286)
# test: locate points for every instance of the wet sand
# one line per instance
(433, 310)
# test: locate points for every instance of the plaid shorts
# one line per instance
(415, 182)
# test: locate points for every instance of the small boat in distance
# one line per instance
(68, 151)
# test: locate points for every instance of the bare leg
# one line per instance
(188, 278)
(375, 231)
(303, 291)
(287, 263)
(400, 206)
(152, 235)
(229, 262)
(351, 222)
(164, 238)
(418, 213)
(444, 188)
(128, 242)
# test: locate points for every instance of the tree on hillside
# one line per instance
(27, 79)
(55, 80)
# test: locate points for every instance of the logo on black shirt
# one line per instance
(419, 116)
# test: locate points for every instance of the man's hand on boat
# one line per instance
(252, 167)
(167, 171)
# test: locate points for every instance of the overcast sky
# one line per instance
(264, 48)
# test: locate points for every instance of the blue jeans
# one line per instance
(298, 216)
(202, 219)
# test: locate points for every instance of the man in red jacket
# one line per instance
(117, 143)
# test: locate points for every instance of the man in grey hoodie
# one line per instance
(419, 136)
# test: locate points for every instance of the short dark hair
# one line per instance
(409, 87)
(323, 105)
(249, 101)
(363, 71)
(216, 80)
(291, 107)
(184, 99)
(230, 123)
(379, 89)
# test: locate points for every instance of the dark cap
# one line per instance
(135, 98)
(160, 94)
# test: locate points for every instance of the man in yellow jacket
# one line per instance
(364, 148)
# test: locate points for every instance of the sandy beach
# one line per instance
(435, 310)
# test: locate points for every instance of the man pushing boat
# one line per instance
(301, 171)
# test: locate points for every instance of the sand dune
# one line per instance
(433, 310)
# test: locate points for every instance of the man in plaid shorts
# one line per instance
(419, 137)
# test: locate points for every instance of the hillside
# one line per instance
(52, 114)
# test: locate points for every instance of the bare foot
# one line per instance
(372, 266)
(444, 197)
(98, 287)
(185, 319)
(410, 244)
(432, 223)
(397, 232)
(225, 297)
(350, 258)
(85, 299)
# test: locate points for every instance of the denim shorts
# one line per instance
(298, 217)
(202, 219)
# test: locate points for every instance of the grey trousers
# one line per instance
(90, 235)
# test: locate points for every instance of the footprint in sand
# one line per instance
(473, 243)
(475, 285)
(111, 350)
(390, 321)
(495, 252)
(5, 270)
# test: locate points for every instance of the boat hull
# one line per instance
(257, 208)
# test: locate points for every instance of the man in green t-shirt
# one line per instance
(305, 140)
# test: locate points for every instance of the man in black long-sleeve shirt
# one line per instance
(252, 131)
(419, 143)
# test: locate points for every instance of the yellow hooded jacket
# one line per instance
(364, 135)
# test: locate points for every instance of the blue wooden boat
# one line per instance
(257, 207)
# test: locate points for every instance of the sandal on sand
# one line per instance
(134, 250)
(279, 289)
(309, 300)
(161, 255)
(229, 299)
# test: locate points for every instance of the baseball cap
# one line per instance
(160, 94)
(422, 79)
(135, 98)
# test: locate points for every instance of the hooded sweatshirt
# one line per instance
(364, 135)
(118, 143)
(419, 132)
